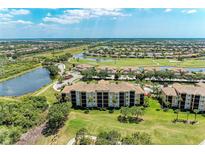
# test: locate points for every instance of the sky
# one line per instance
(102, 23)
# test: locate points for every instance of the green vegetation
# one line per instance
(137, 138)
(13, 69)
(53, 70)
(113, 137)
(156, 122)
(57, 115)
(143, 62)
(16, 117)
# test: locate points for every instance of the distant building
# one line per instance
(104, 94)
(83, 67)
(188, 97)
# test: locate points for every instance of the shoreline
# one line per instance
(21, 73)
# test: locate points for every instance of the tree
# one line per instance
(137, 111)
(117, 75)
(56, 117)
(146, 101)
(14, 134)
(156, 89)
(53, 70)
(103, 74)
(124, 111)
(196, 111)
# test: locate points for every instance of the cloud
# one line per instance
(7, 16)
(189, 11)
(19, 12)
(167, 10)
(77, 15)
(23, 22)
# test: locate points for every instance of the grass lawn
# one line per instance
(157, 123)
(123, 62)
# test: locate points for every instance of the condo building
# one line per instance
(187, 97)
(104, 94)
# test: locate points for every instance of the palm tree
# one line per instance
(124, 111)
(137, 111)
(156, 89)
(177, 112)
(195, 112)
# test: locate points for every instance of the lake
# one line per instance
(26, 83)
(99, 59)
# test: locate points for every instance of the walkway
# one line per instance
(31, 136)
(44, 89)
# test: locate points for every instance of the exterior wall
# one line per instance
(127, 98)
(91, 96)
(188, 101)
(164, 97)
(175, 101)
(202, 103)
(113, 96)
(78, 99)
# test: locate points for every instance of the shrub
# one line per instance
(86, 111)
(111, 111)
(158, 109)
(123, 119)
(137, 138)
(166, 109)
(103, 109)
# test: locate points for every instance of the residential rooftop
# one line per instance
(103, 85)
(186, 89)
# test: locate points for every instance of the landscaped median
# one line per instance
(156, 122)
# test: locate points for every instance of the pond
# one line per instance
(99, 59)
(26, 83)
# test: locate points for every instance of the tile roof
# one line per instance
(169, 91)
(104, 86)
(189, 89)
